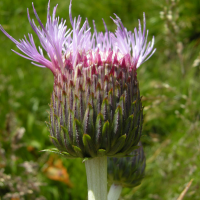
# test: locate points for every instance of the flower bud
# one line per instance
(127, 171)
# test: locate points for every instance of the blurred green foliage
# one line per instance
(169, 83)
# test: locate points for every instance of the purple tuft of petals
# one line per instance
(68, 48)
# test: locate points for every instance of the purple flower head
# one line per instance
(96, 108)
(68, 48)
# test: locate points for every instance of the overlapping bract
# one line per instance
(127, 171)
(97, 114)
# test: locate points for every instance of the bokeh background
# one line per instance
(169, 84)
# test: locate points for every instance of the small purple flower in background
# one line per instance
(96, 107)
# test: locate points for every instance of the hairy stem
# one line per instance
(96, 170)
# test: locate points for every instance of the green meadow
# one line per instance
(169, 83)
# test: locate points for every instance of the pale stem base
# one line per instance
(114, 192)
(96, 170)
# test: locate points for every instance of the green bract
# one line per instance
(96, 111)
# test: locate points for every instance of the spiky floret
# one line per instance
(127, 171)
(96, 106)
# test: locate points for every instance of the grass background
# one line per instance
(169, 84)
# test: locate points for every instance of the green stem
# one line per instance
(114, 192)
(96, 170)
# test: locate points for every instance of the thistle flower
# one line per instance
(96, 107)
(127, 171)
